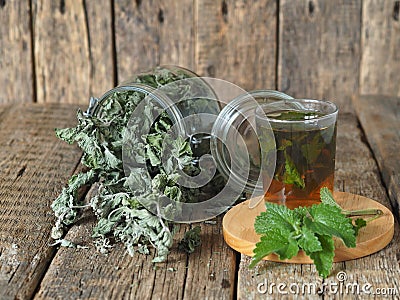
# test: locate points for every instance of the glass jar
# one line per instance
(234, 142)
(147, 83)
(214, 117)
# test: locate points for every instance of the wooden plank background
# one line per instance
(68, 50)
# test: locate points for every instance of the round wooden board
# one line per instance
(239, 234)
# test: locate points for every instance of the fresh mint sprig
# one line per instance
(312, 229)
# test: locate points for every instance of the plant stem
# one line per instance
(374, 217)
(362, 212)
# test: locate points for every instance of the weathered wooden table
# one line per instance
(35, 165)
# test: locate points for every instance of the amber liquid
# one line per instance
(305, 162)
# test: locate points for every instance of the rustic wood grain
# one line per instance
(101, 46)
(136, 36)
(236, 41)
(177, 39)
(380, 55)
(87, 274)
(34, 165)
(211, 269)
(380, 119)
(31, 179)
(73, 50)
(319, 49)
(357, 173)
(150, 33)
(16, 76)
(209, 272)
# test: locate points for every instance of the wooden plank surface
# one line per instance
(319, 49)
(177, 38)
(380, 55)
(65, 51)
(150, 33)
(357, 173)
(136, 36)
(236, 41)
(87, 274)
(208, 273)
(99, 29)
(380, 119)
(73, 50)
(16, 65)
(34, 165)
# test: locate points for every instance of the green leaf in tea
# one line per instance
(304, 156)
(292, 175)
(294, 115)
(312, 150)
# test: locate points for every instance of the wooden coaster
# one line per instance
(239, 234)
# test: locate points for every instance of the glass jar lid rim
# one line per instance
(243, 107)
(298, 102)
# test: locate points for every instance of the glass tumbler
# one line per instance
(301, 134)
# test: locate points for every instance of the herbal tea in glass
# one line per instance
(304, 133)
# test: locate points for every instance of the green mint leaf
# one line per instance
(152, 156)
(102, 227)
(294, 115)
(67, 134)
(323, 259)
(278, 227)
(284, 145)
(275, 241)
(191, 240)
(173, 192)
(358, 224)
(328, 220)
(277, 216)
(284, 232)
(327, 197)
(292, 175)
(312, 150)
(111, 160)
(64, 206)
(289, 249)
(155, 140)
(181, 147)
(308, 241)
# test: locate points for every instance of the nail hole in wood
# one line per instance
(211, 70)
(138, 3)
(224, 10)
(62, 6)
(225, 284)
(2, 3)
(396, 10)
(161, 16)
(311, 7)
